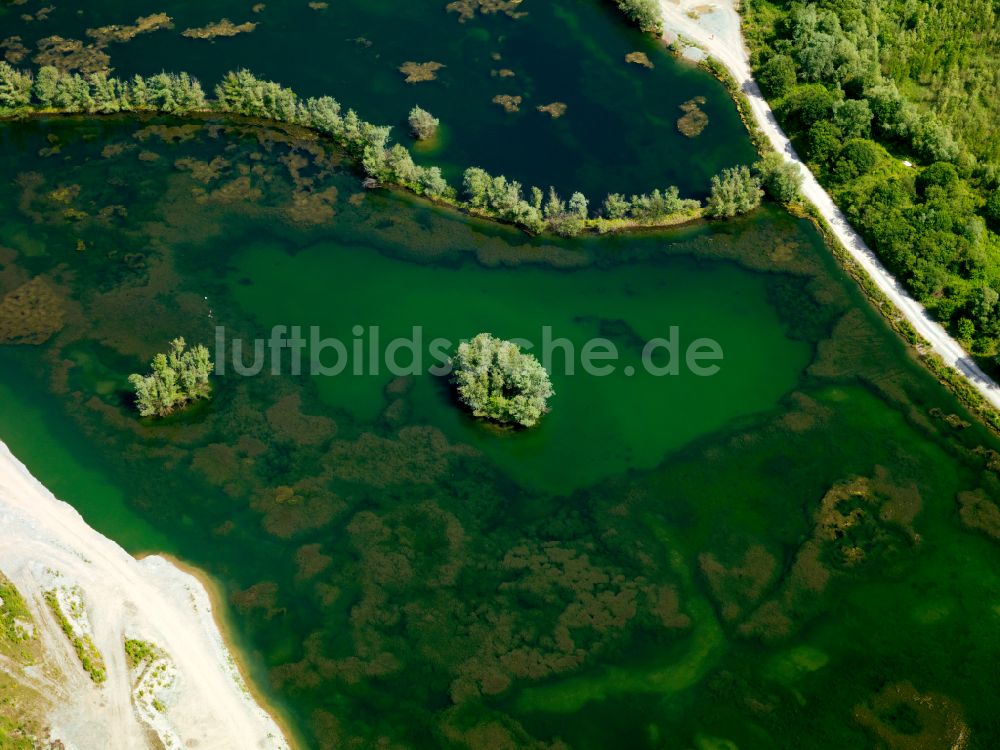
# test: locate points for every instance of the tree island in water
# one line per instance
(797, 551)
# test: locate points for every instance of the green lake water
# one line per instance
(778, 555)
(797, 552)
(619, 131)
(602, 424)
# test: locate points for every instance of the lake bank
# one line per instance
(47, 547)
(408, 579)
(716, 30)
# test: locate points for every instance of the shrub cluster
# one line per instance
(735, 191)
(498, 381)
(177, 378)
(423, 124)
(645, 14)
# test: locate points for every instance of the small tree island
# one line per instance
(178, 377)
(423, 124)
(498, 381)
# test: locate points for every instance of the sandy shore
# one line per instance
(190, 695)
(714, 26)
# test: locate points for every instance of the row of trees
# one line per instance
(649, 207)
(735, 191)
(925, 203)
(240, 92)
(97, 93)
(243, 93)
(645, 14)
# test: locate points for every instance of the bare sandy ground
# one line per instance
(191, 696)
(714, 26)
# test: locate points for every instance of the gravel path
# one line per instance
(715, 26)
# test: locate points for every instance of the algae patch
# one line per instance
(694, 120)
(224, 27)
(418, 72)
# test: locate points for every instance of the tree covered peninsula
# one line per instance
(495, 197)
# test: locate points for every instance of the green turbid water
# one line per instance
(791, 552)
(601, 424)
(797, 551)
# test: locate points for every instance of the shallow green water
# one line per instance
(600, 424)
(665, 562)
(619, 131)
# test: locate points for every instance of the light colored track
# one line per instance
(717, 30)
(45, 544)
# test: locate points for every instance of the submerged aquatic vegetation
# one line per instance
(979, 512)
(467, 9)
(415, 456)
(639, 58)
(121, 34)
(417, 580)
(554, 109)
(509, 102)
(902, 717)
(858, 521)
(418, 72)
(694, 120)
(30, 314)
(223, 27)
(14, 49)
(71, 54)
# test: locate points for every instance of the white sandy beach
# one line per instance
(714, 26)
(44, 545)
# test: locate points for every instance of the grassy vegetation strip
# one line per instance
(722, 74)
(66, 604)
(21, 709)
(15, 618)
(153, 676)
(962, 389)
(138, 652)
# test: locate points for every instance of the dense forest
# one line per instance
(893, 105)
